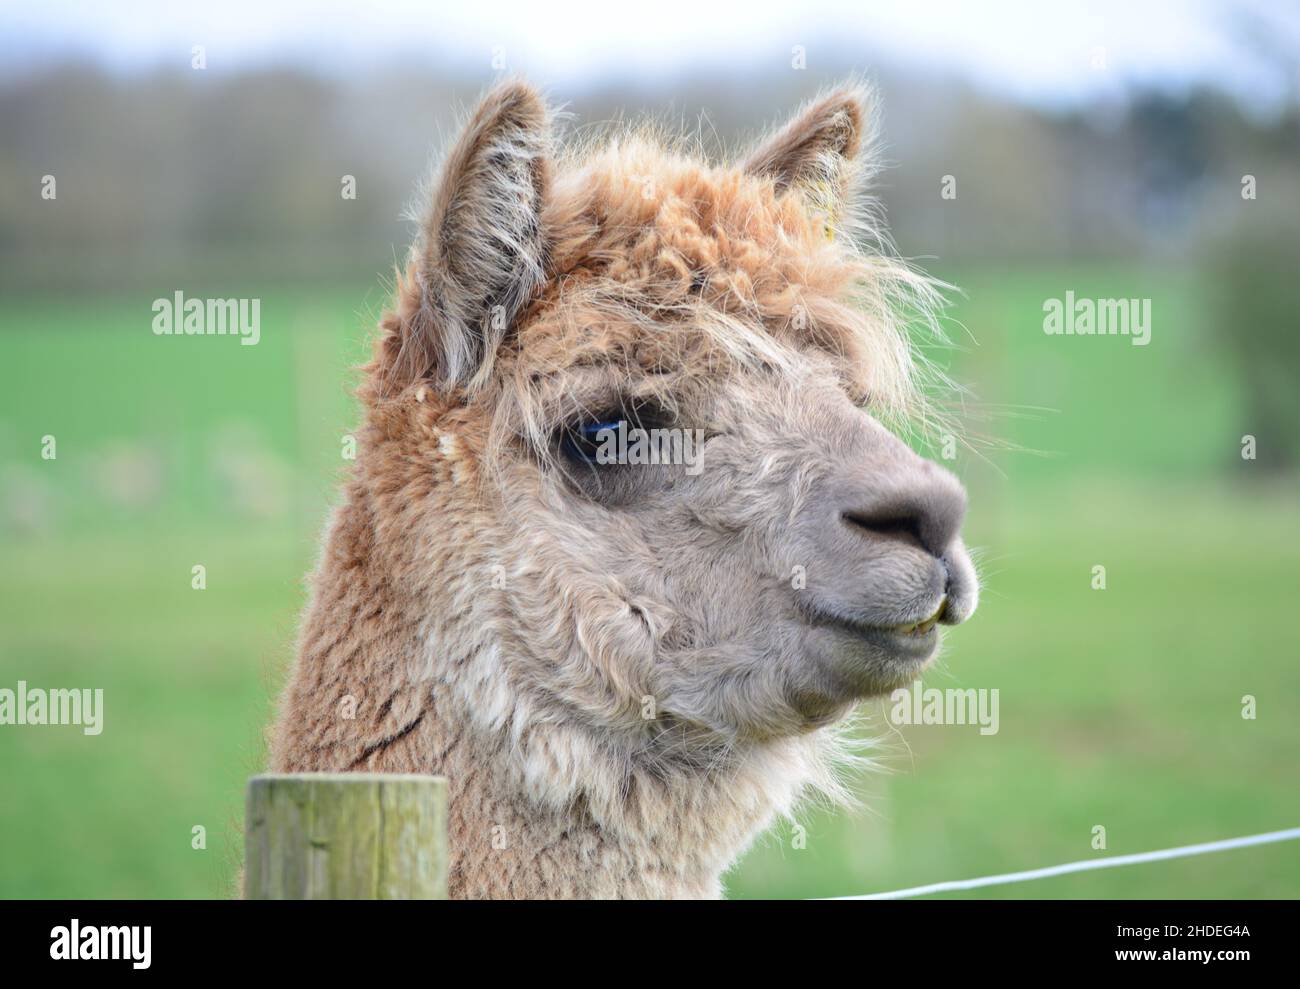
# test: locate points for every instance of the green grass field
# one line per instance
(1118, 707)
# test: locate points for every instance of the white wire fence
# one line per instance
(1085, 865)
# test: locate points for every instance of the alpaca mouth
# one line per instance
(925, 625)
(909, 642)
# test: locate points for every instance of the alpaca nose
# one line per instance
(926, 513)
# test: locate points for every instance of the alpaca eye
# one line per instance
(582, 443)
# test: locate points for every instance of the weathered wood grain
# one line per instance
(346, 836)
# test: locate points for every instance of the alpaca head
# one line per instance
(628, 411)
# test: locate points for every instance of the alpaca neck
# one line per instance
(551, 809)
(507, 843)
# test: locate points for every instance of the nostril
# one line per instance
(924, 509)
(901, 526)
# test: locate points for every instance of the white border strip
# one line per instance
(1291, 834)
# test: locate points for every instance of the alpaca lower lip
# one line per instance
(913, 641)
(907, 642)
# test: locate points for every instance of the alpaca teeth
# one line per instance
(923, 626)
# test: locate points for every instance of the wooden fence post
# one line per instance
(345, 836)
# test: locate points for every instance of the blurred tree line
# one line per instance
(244, 173)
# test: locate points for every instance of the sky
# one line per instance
(1039, 52)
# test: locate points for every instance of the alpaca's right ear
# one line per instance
(481, 253)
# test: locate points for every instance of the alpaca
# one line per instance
(627, 671)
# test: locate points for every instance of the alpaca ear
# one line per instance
(481, 253)
(814, 150)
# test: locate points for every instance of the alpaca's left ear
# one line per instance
(481, 254)
(814, 151)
